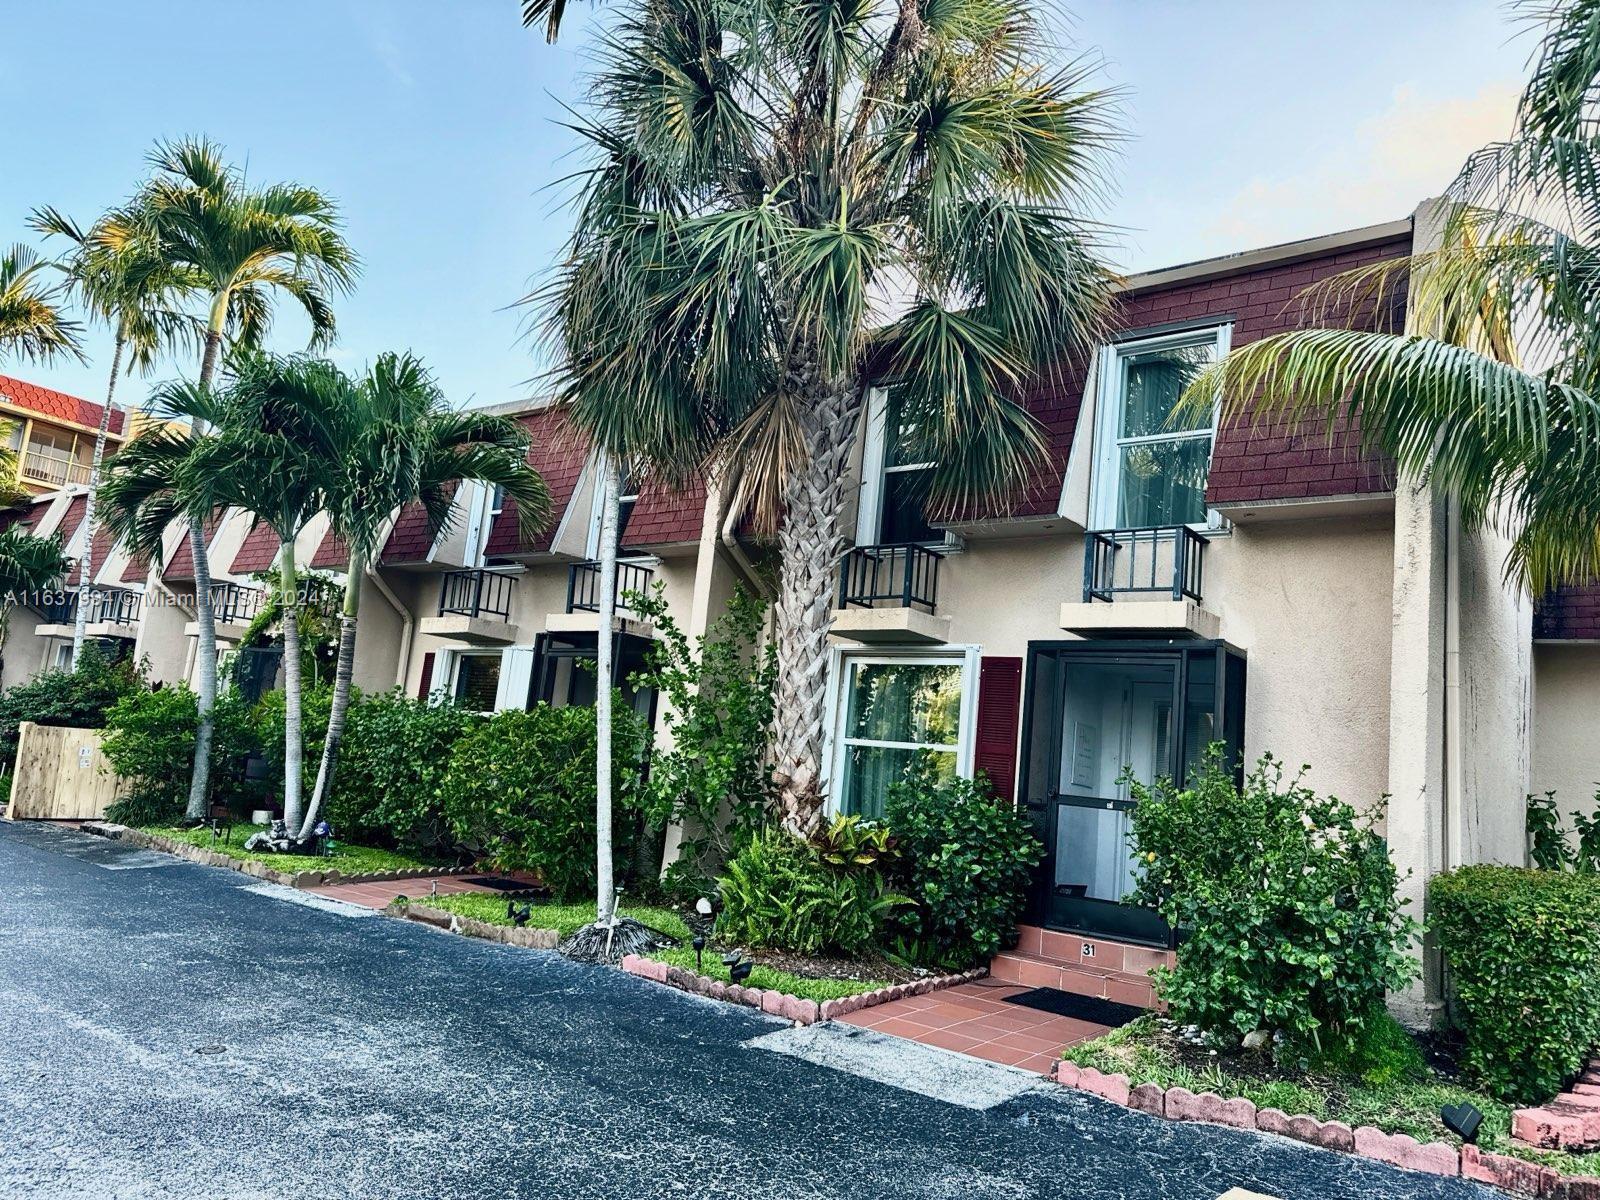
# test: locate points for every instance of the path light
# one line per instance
(698, 941)
(1462, 1120)
(740, 971)
(703, 906)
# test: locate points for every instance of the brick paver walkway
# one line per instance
(973, 1018)
(379, 895)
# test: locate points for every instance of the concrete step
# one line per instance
(1030, 971)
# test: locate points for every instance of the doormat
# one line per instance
(501, 884)
(1079, 1008)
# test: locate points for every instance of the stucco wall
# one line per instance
(1566, 729)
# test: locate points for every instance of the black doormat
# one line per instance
(1079, 1008)
(501, 884)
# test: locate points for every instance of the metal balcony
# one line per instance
(476, 593)
(898, 576)
(117, 606)
(1160, 560)
(235, 604)
(583, 585)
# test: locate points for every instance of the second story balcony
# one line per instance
(475, 608)
(1145, 581)
(41, 465)
(583, 586)
(890, 594)
(110, 613)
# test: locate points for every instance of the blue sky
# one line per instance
(437, 127)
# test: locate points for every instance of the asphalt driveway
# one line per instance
(175, 1030)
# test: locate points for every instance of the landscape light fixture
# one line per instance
(1462, 1120)
(698, 941)
(703, 906)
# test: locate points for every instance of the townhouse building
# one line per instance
(1160, 584)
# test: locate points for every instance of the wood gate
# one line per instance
(61, 775)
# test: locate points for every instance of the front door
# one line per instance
(1102, 716)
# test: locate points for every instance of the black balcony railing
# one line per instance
(583, 585)
(902, 576)
(116, 606)
(1161, 559)
(235, 604)
(476, 593)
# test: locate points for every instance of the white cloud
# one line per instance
(1389, 163)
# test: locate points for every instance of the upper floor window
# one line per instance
(894, 478)
(1151, 460)
(627, 497)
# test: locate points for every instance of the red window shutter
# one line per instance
(425, 684)
(999, 719)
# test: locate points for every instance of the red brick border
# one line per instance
(1397, 1149)
(780, 1004)
(1569, 1122)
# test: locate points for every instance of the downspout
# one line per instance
(407, 623)
(741, 560)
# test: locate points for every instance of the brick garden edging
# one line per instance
(780, 1004)
(506, 935)
(1569, 1122)
(1396, 1149)
(260, 870)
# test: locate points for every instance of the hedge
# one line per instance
(1523, 952)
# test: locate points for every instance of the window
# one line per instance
(895, 477)
(477, 680)
(627, 497)
(1152, 461)
(894, 710)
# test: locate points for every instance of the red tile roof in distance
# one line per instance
(180, 567)
(49, 403)
(257, 552)
(1569, 614)
(558, 455)
(1248, 463)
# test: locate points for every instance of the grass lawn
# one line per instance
(1408, 1101)
(568, 918)
(349, 860)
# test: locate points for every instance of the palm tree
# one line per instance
(116, 271)
(399, 443)
(28, 564)
(765, 178)
(241, 244)
(31, 320)
(1513, 445)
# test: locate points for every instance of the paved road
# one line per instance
(173, 1030)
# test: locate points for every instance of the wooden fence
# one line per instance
(61, 775)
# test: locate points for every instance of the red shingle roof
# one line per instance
(257, 552)
(48, 402)
(332, 554)
(71, 519)
(558, 455)
(411, 538)
(180, 567)
(137, 570)
(1569, 614)
(101, 551)
(662, 517)
(26, 512)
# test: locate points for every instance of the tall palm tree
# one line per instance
(242, 244)
(116, 271)
(765, 178)
(400, 443)
(1509, 430)
(32, 324)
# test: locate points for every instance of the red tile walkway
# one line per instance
(973, 1018)
(379, 895)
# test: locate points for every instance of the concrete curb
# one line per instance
(780, 1004)
(1397, 1149)
(259, 870)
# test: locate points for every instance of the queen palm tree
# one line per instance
(397, 442)
(32, 324)
(242, 244)
(786, 202)
(1510, 431)
(116, 271)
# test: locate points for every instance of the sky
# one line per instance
(438, 127)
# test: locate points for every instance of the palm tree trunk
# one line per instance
(605, 893)
(80, 621)
(809, 543)
(204, 616)
(343, 681)
(293, 746)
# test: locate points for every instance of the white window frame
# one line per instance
(446, 690)
(1105, 490)
(874, 467)
(836, 745)
(591, 545)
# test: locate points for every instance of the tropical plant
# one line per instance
(762, 175)
(1547, 844)
(1516, 446)
(28, 565)
(240, 245)
(711, 780)
(32, 324)
(149, 742)
(116, 272)
(402, 444)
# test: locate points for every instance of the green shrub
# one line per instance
(519, 792)
(779, 893)
(392, 760)
(1523, 951)
(150, 742)
(80, 699)
(966, 860)
(1287, 901)
(315, 701)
